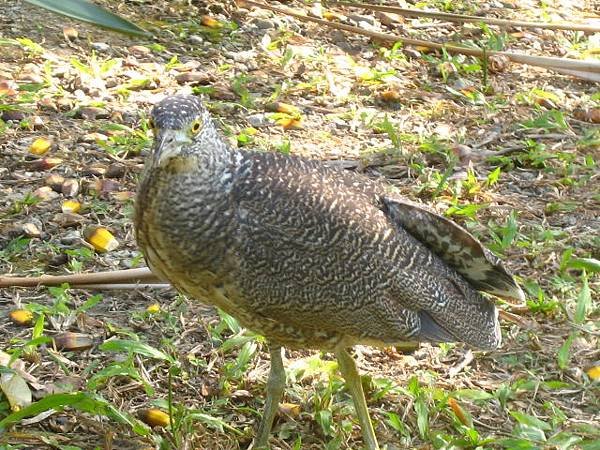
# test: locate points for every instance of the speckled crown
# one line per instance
(175, 111)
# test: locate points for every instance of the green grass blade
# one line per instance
(584, 300)
(86, 11)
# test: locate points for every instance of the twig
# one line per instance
(128, 276)
(589, 70)
(463, 18)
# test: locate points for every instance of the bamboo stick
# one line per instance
(584, 69)
(128, 276)
(463, 18)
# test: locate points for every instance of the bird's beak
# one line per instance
(167, 144)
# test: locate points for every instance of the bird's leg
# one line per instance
(275, 387)
(350, 374)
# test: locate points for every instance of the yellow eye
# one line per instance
(196, 126)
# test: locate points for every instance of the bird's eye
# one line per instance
(196, 126)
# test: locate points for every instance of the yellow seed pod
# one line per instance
(40, 146)
(281, 107)
(289, 123)
(21, 317)
(594, 373)
(210, 22)
(154, 308)
(290, 409)
(71, 206)
(101, 239)
(155, 417)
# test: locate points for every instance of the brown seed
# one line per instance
(194, 78)
(12, 115)
(104, 186)
(55, 181)
(139, 50)
(46, 163)
(588, 115)
(155, 417)
(70, 187)
(96, 170)
(70, 33)
(73, 341)
(8, 88)
(498, 63)
(31, 230)
(92, 113)
(58, 260)
(115, 170)
(45, 193)
(68, 219)
(391, 95)
(122, 196)
(21, 317)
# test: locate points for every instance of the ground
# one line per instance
(509, 151)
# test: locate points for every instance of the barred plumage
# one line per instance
(307, 255)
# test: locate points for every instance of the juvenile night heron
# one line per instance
(308, 256)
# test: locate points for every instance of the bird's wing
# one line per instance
(456, 246)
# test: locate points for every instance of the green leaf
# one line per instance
(588, 264)
(121, 345)
(86, 11)
(472, 394)
(563, 440)
(584, 299)
(325, 419)
(529, 432)
(114, 371)
(79, 400)
(531, 421)
(213, 422)
(564, 352)
(422, 417)
(590, 445)
(493, 176)
(396, 423)
(90, 303)
(517, 444)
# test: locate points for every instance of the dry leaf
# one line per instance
(16, 390)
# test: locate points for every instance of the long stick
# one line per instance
(463, 18)
(589, 70)
(128, 276)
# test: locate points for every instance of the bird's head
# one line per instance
(180, 124)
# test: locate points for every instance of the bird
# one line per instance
(307, 255)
